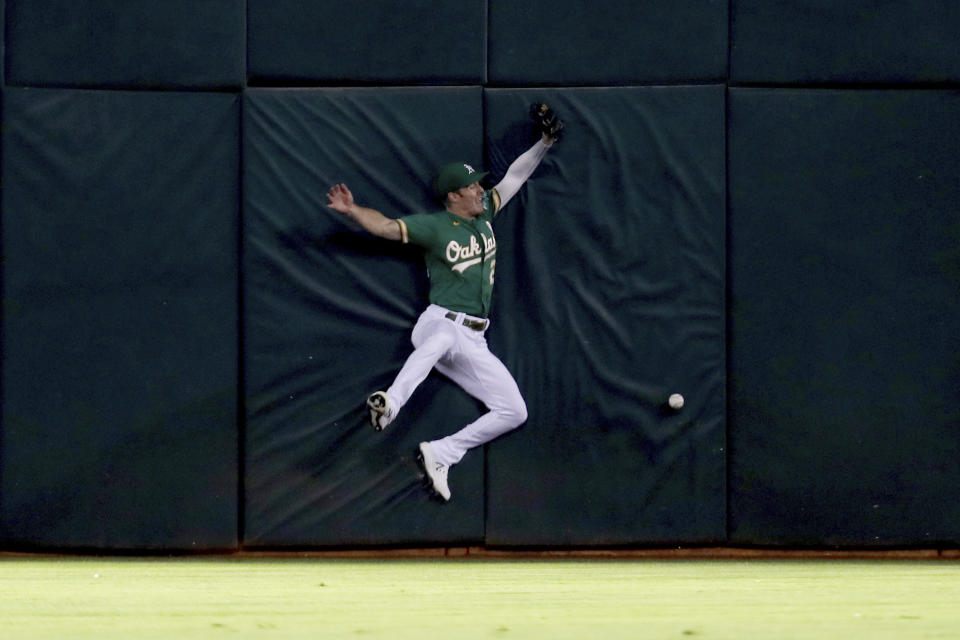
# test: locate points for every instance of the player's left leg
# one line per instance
(485, 377)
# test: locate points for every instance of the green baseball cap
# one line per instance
(454, 176)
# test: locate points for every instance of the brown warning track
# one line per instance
(658, 553)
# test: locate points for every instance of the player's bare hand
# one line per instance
(340, 198)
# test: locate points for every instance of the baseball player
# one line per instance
(460, 252)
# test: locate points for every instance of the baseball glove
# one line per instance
(546, 121)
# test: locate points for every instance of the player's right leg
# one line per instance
(433, 336)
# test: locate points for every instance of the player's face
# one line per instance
(469, 200)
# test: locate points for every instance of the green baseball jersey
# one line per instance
(461, 255)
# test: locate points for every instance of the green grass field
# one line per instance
(477, 598)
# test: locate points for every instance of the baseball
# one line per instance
(675, 401)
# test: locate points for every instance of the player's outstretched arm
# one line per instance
(550, 127)
(519, 170)
(341, 199)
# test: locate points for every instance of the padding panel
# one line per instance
(328, 314)
(610, 297)
(119, 320)
(540, 42)
(855, 41)
(126, 43)
(3, 40)
(845, 317)
(367, 42)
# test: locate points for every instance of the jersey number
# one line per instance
(493, 267)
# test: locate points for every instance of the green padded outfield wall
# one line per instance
(137, 44)
(606, 43)
(375, 42)
(844, 317)
(119, 365)
(134, 131)
(844, 409)
(854, 42)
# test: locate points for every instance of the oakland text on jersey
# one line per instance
(463, 257)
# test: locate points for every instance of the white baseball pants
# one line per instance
(461, 354)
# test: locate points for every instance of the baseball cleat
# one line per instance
(436, 471)
(381, 413)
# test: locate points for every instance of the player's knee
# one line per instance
(521, 410)
(515, 413)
